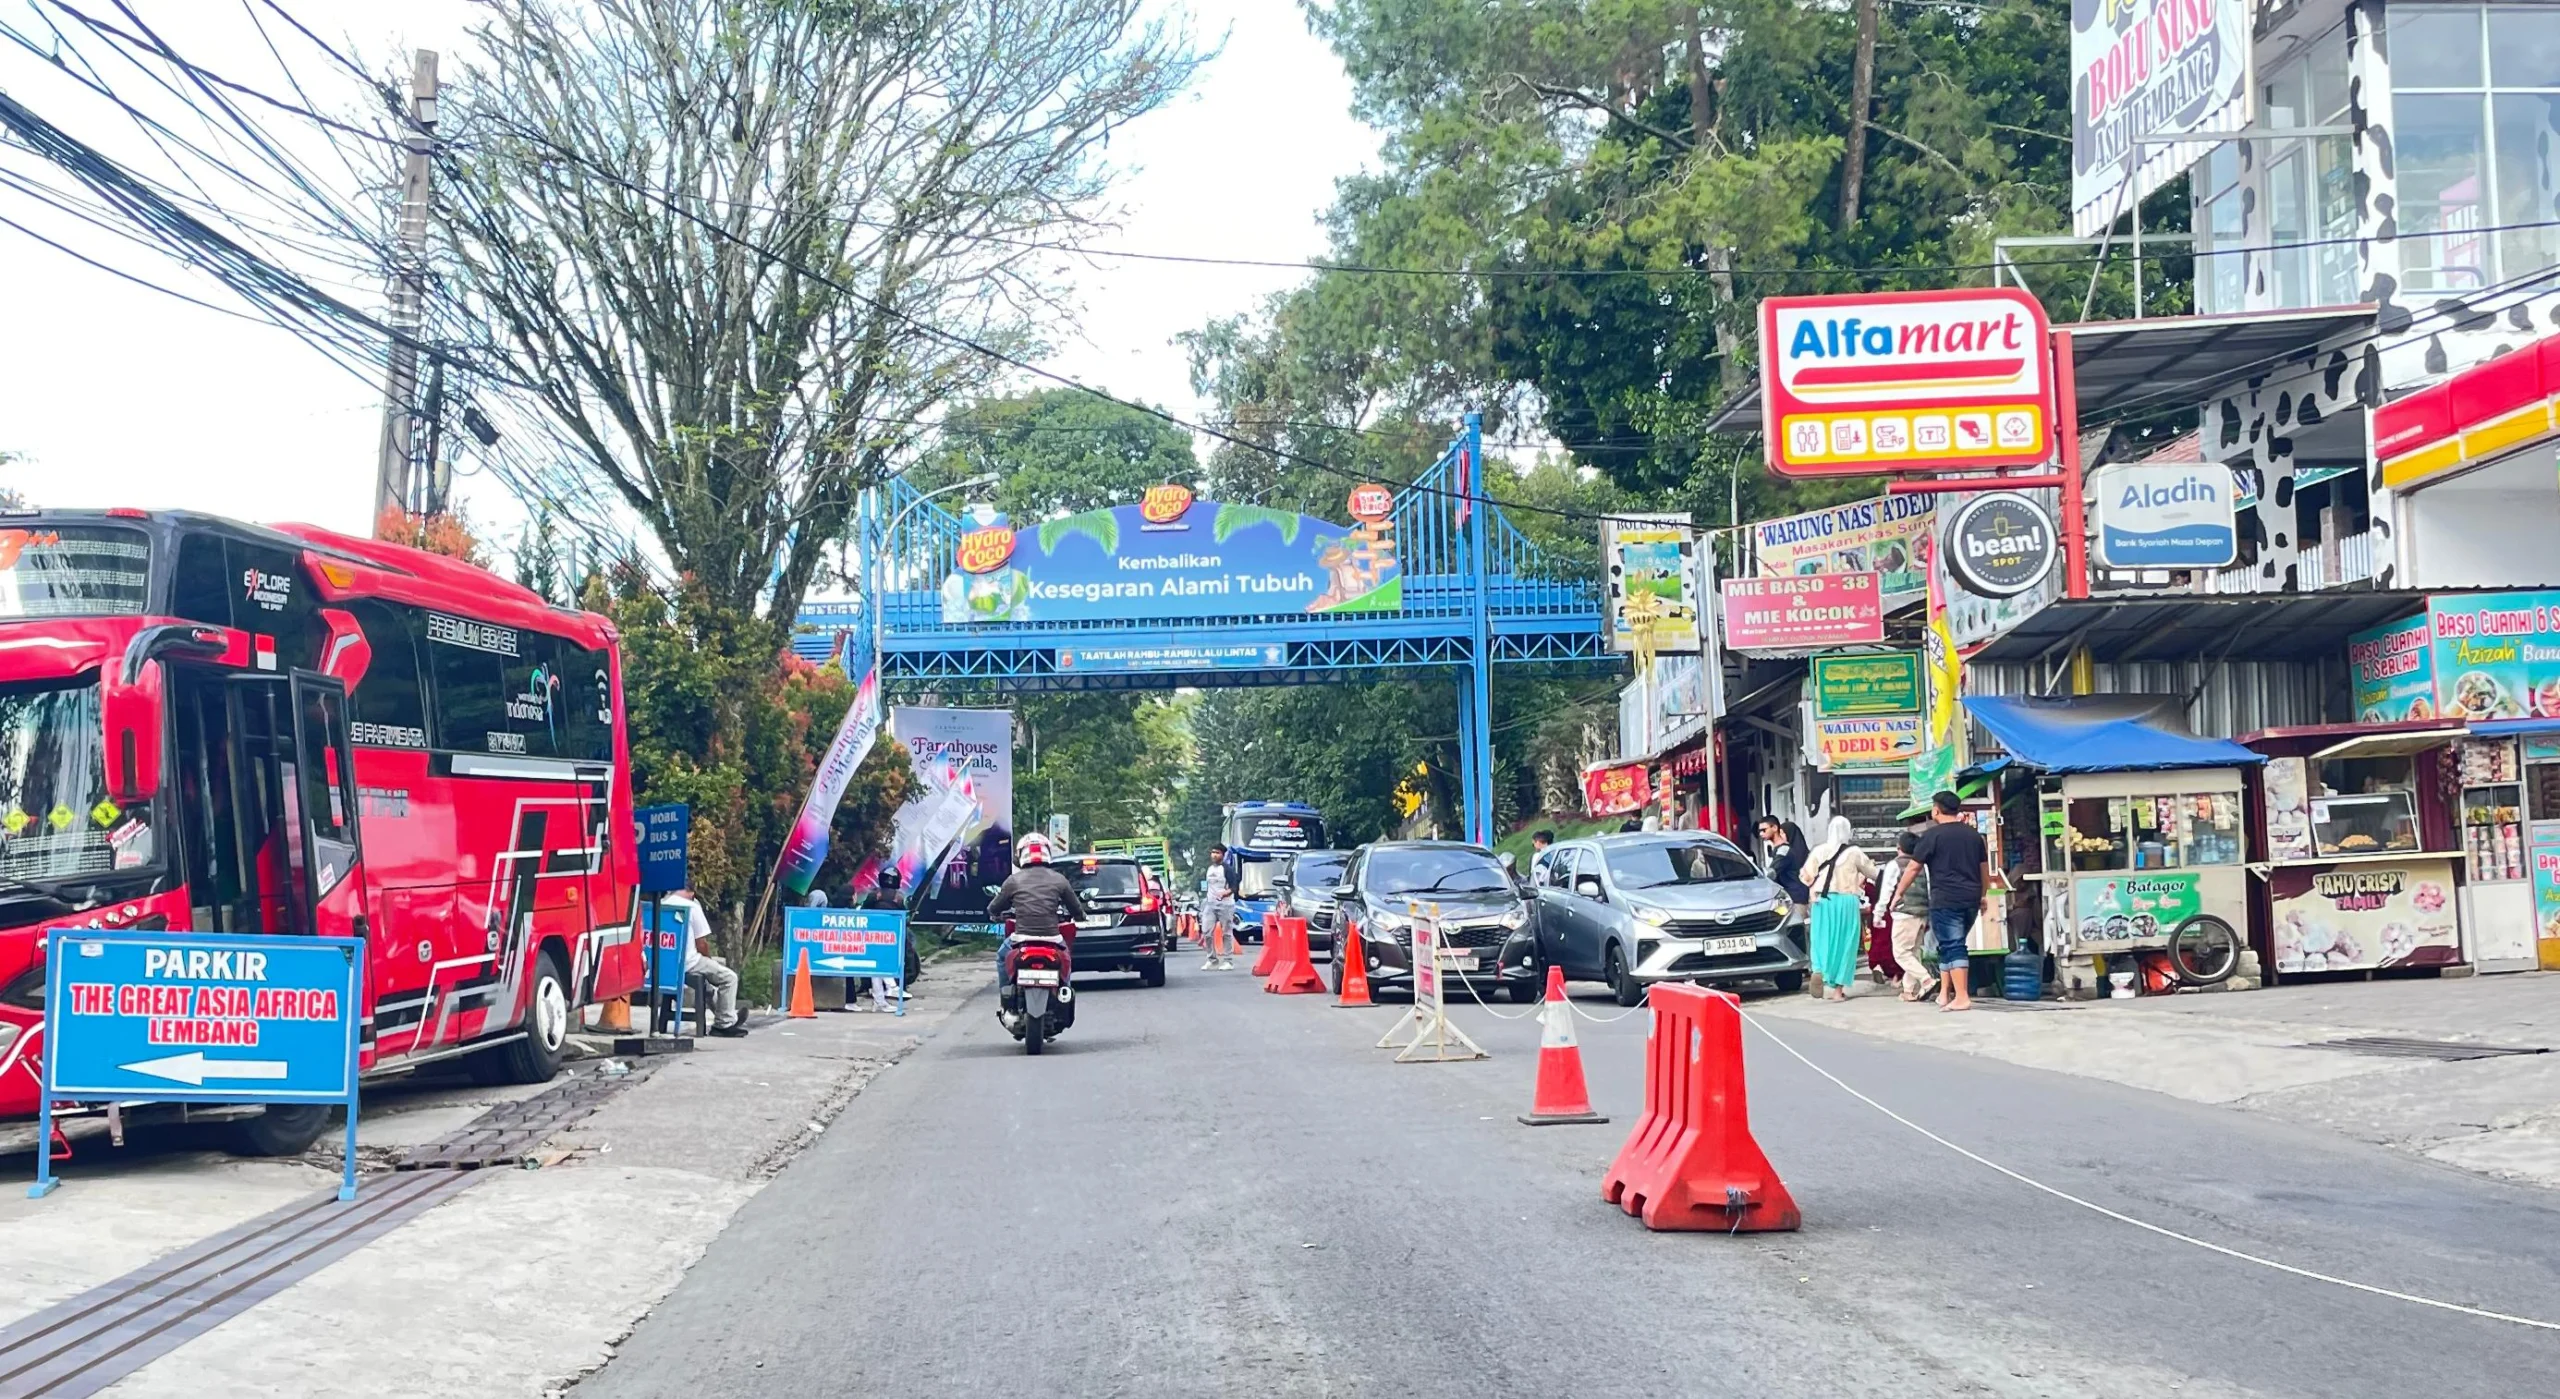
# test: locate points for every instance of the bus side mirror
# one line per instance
(130, 703)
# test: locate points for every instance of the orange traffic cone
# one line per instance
(1354, 961)
(1271, 950)
(804, 1002)
(1295, 973)
(1561, 1095)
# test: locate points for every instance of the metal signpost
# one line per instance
(665, 837)
(188, 1018)
(847, 942)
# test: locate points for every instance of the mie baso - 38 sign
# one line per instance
(1914, 380)
(2143, 69)
(1810, 612)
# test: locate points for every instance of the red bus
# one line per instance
(215, 727)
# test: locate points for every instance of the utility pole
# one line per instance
(392, 483)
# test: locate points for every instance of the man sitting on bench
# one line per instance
(716, 976)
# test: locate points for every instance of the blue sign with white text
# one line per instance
(669, 925)
(665, 832)
(1170, 556)
(845, 941)
(179, 1017)
(1249, 656)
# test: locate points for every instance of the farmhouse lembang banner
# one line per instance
(1170, 556)
(953, 840)
(2143, 69)
(1883, 534)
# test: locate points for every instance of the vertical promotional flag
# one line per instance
(1466, 486)
(806, 848)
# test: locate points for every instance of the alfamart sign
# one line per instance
(1908, 381)
(2144, 69)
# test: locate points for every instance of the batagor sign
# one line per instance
(1171, 556)
(1915, 380)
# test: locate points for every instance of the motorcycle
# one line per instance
(1035, 1000)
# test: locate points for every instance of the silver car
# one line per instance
(1632, 910)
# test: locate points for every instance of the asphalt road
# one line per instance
(1203, 1190)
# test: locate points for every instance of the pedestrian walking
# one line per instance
(1220, 896)
(884, 894)
(1883, 966)
(1841, 874)
(1902, 898)
(1784, 844)
(1959, 866)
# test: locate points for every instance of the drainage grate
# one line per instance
(2448, 1050)
(507, 1133)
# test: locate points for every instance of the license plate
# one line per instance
(1458, 959)
(1036, 978)
(1731, 947)
(1102, 921)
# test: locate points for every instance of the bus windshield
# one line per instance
(74, 571)
(1269, 830)
(56, 821)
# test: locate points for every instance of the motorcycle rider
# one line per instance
(1040, 901)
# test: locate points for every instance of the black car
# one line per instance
(1307, 884)
(1485, 934)
(1124, 928)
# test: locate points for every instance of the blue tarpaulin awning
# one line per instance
(2102, 733)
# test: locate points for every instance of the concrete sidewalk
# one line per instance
(2255, 1051)
(517, 1285)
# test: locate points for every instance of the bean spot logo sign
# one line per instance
(1928, 380)
(1999, 544)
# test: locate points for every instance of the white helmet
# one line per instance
(1033, 850)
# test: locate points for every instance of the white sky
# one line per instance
(125, 397)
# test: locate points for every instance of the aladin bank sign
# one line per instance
(2180, 515)
(1171, 555)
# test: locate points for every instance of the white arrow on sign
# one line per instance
(837, 964)
(193, 1068)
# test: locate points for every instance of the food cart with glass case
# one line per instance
(2143, 830)
(2357, 837)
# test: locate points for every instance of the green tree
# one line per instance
(1058, 452)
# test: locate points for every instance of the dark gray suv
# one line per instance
(1306, 888)
(1632, 910)
(1484, 918)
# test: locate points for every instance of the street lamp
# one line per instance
(879, 617)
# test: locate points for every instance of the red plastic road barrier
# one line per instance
(1294, 974)
(1354, 961)
(1691, 1162)
(1561, 1095)
(1270, 955)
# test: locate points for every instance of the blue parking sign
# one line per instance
(194, 1018)
(665, 832)
(846, 942)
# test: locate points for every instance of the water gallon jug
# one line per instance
(2022, 975)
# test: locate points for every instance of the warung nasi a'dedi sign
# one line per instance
(1915, 380)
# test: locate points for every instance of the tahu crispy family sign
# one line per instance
(1918, 380)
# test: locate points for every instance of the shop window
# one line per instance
(2095, 833)
(2220, 221)
(2477, 100)
(2209, 832)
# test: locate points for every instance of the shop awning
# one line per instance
(2102, 733)
(2510, 728)
(2157, 361)
(2185, 626)
(2390, 745)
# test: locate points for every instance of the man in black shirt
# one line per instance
(1959, 866)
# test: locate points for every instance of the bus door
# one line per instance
(266, 794)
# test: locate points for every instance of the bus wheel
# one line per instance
(536, 1057)
(279, 1131)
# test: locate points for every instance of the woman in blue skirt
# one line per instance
(1836, 874)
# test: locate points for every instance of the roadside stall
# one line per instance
(2141, 829)
(2362, 851)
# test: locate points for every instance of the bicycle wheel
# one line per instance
(2204, 951)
